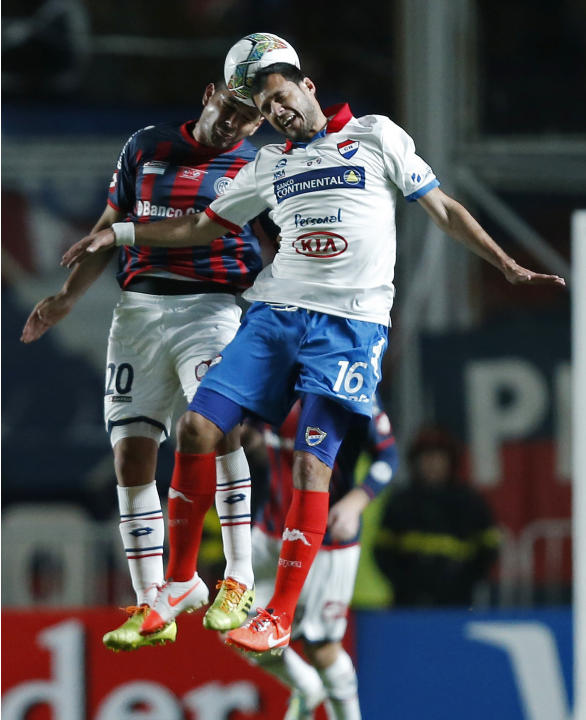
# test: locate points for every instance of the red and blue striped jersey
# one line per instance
(164, 172)
(375, 438)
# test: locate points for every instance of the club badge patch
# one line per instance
(348, 148)
(313, 436)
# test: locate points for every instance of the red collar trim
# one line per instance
(338, 116)
(206, 150)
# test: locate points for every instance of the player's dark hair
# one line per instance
(288, 71)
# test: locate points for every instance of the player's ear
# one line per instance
(256, 127)
(207, 93)
(309, 84)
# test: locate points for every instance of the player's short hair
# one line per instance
(288, 71)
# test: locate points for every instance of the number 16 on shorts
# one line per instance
(357, 381)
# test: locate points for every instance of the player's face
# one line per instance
(224, 120)
(290, 108)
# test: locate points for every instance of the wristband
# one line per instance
(124, 233)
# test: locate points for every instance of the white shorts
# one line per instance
(159, 348)
(321, 614)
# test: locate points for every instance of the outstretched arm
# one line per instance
(185, 231)
(457, 222)
(52, 309)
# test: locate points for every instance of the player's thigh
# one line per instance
(324, 602)
(341, 359)
(265, 559)
(198, 336)
(141, 385)
(258, 368)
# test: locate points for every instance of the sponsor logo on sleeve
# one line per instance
(154, 167)
(320, 244)
(320, 179)
(348, 148)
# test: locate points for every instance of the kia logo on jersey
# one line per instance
(320, 244)
(348, 148)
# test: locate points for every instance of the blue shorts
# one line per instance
(280, 352)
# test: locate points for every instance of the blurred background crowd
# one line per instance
(477, 376)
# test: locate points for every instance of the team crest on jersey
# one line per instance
(189, 173)
(154, 167)
(222, 185)
(314, 436)
(348, 148)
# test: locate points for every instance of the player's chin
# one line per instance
(223, 142)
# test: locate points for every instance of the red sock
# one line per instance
(194, 477)
(305, 527)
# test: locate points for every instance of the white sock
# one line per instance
(341, 684)
(143, 532)
(233, 507)
(294, 672)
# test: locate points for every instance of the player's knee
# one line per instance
(310, 473)
(135, 460)
(197, 434)
(322, 655)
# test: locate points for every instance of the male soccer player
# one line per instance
(318, 324)
(321, 615)
(176, 312)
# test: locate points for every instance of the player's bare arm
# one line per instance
(184, 231)
(50, 310)
(457, 222)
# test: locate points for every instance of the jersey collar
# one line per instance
(337, 115)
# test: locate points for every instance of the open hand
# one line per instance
(98, 242)
(45, 314)
(518, 275)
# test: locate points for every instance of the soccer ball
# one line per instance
(249, 55)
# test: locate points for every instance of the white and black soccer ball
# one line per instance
(250, 54)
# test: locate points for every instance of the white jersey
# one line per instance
(334, 200)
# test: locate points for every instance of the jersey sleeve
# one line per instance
(241, 203)
(410, 173)
(382, 451)
(121, 194)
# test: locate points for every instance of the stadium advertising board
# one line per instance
(56, 668)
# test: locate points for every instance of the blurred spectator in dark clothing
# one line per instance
(437, 538)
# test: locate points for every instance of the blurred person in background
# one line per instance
(176, 312)
(438, 538)
(318, 326)
(321, 616)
